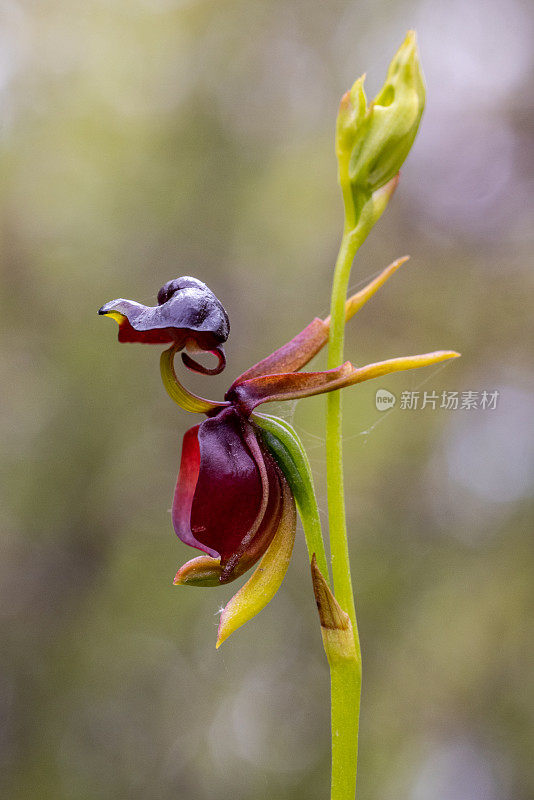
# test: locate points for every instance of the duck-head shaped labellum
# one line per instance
(188, 315)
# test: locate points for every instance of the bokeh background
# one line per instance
(146, 139)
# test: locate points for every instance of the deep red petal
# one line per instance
(228, 497)
(229, 492)
(258, 538)
(185, 490)
(237, 498)
(156, 336)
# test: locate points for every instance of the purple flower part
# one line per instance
(188, 313)
(228, 496)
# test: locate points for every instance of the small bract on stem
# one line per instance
(244, 474)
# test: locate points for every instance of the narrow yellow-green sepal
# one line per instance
(266, 578)
(399, 365)
(182, 396)
(358, 300)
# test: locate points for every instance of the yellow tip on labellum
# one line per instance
(119, 318)
(267, 577)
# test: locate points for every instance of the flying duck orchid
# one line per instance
(239, 472)
(244, 474)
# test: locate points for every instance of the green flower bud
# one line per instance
(373, 142)
(350, 118)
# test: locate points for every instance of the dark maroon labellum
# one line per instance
(228, 496)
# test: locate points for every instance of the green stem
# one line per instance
(345, 676)
(334, 457)
(345, 690)
(345, 702)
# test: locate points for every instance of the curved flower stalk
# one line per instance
(240, 471)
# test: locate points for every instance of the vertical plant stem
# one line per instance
(345, 689)
(334, 455)
(345, 676)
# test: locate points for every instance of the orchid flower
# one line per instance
(244, 474)
(234, 499)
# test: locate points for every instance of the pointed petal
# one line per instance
(182, 396)
(287, 386)
(398, 365)
(359, 299)
(296, 353)
(261, 587)
(293, 355)
(252, 393)
(185, 490)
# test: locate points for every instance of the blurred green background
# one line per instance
(148, 139)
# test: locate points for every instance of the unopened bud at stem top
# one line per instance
(373, 141)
